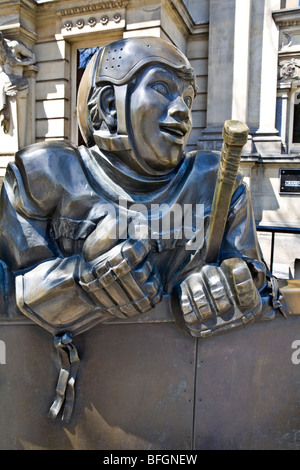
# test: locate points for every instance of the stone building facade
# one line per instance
(246, 56)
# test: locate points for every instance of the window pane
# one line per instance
(85, 55)
(296, 127)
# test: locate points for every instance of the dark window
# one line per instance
(296, 125)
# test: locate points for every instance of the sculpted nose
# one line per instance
(179, 110)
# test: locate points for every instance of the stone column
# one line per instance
(263, 78)
(282, 115)
(30, 73)
(227, 67)
(240, 82)
(243, 48)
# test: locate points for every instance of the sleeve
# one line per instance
(46, 284)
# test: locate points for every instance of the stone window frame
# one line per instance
(288, 86)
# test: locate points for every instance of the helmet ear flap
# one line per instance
(84, 92)
(106, 105)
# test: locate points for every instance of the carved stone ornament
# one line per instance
(14, 56)
(105, 232)
(289, 70)
(104, 19)
(92, 22)
(94, 7)
(286, 39)
(68, 25)
(117, 17)
(80, 23)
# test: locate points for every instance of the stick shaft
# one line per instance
(235, 135)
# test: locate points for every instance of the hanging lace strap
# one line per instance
(70, 392)
(65, 388)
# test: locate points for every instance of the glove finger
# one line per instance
(239, 276)
(139, 293)
(144, 297)
(120, 296)
(143, 272)
(102, 239)
(125, 255)
(134, 251)
(121, 259)
(218, 288)
(103, 281)
(152, 286)
(189, 314)
(185, 302)
(199, 298)
(157, 297)
(101, 296)
(258, 272)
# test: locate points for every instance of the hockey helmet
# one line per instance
(117, 63)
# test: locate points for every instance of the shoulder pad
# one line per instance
(46, 168)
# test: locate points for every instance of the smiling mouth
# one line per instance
(173, 133)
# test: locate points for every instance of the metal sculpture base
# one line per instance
(148, 386)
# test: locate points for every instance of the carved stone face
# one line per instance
(160, 114)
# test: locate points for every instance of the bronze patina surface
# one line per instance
(149, 387)
(132, 232)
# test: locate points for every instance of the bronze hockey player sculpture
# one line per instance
(77, 242)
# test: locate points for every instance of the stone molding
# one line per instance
(287, 17)
(92, 17)
(289, 70)
(84, 9)
(93, 22)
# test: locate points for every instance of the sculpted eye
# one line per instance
(188, 101)
(161, 88)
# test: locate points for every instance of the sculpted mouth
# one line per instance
(177, 132)
(174, 132)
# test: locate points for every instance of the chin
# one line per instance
(173, 160)
(170, 163)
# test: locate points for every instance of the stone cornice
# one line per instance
(28, 3)
(18, 6)
(16, 31)
(18, 28)
(86, 8)
(287, 17)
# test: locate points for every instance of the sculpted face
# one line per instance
(160, 115)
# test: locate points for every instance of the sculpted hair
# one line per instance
(94, 115)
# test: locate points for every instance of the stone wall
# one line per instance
(63, 27)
